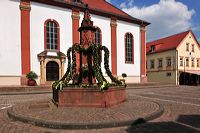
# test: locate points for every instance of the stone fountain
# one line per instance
(83, 84)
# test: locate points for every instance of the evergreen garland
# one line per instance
(93, 53)
(106, 65)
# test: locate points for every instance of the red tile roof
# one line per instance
(167, 43)
(98, 7)
(102, 5)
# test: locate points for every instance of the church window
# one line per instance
(51, 35)
(98, 40)
(98, 36)
(129, 48)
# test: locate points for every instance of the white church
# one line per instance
(35, 36)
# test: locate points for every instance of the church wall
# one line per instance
(10, 45)
(133, 71)
(39, 14)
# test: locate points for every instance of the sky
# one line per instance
(167, 17)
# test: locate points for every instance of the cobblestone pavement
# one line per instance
(181, 115)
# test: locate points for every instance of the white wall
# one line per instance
(10, 44)
(129, 69)
(104, 24)
(39, 14)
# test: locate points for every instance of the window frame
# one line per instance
(192, 62)
(187, 60)
(181, 61)
(125, 42)
(198, 62)
(100, 39)
(45, 34)
(160, 63)
(169, 61)
(153, 48)
(193, 48)
(152, 64)
(187, 47)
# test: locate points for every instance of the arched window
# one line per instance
(129, 48)
(98, 36)
(52, 35)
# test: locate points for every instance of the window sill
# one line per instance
(129, 63)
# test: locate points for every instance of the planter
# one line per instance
(90, 97)
(31, 82)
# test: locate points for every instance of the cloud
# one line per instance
(108, 1)
(166, 17)
(126, 4)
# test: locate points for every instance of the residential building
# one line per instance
(174, 59)
(37, 33)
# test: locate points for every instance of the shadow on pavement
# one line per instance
(192, 120)
(161, 127)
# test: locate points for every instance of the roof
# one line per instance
(102, 5)
(167, 43)
(98, 7)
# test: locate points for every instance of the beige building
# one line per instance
(174, 59)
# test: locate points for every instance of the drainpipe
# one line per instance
(177, 72)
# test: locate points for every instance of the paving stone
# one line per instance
(169, 122)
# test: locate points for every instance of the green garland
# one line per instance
(93, 53)
(106, 65)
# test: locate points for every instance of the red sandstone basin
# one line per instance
(90, 97)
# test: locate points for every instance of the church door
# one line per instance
(52, 71)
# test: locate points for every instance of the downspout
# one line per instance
(177, 72)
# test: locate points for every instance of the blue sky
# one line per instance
(167, 17)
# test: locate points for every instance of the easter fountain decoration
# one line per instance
(83, 84)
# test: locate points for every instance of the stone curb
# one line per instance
(25, 93)
(45, 92)
(72, 126)
(145, 87)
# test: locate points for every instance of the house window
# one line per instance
(152, 64)
(169, 62)
(51, 35)
(197, 62)
(192, 62)
(187, 46)
(98, 36)
(169, 74)
(77, 0)
(187, 62)
(146, 64)
(181, 61)
(192, 47)
(129, 47)
(153, 48)
(160, 63)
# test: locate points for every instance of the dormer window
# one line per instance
(153, 48)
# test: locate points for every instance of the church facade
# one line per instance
(35, 36)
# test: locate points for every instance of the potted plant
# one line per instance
(31, 78)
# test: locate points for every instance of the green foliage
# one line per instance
(32, 75)
(58, 85)
(106, 65)
(93, 69)
(104, 86)
(124, 75)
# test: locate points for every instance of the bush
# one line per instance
(124, 75)
(32, 75)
